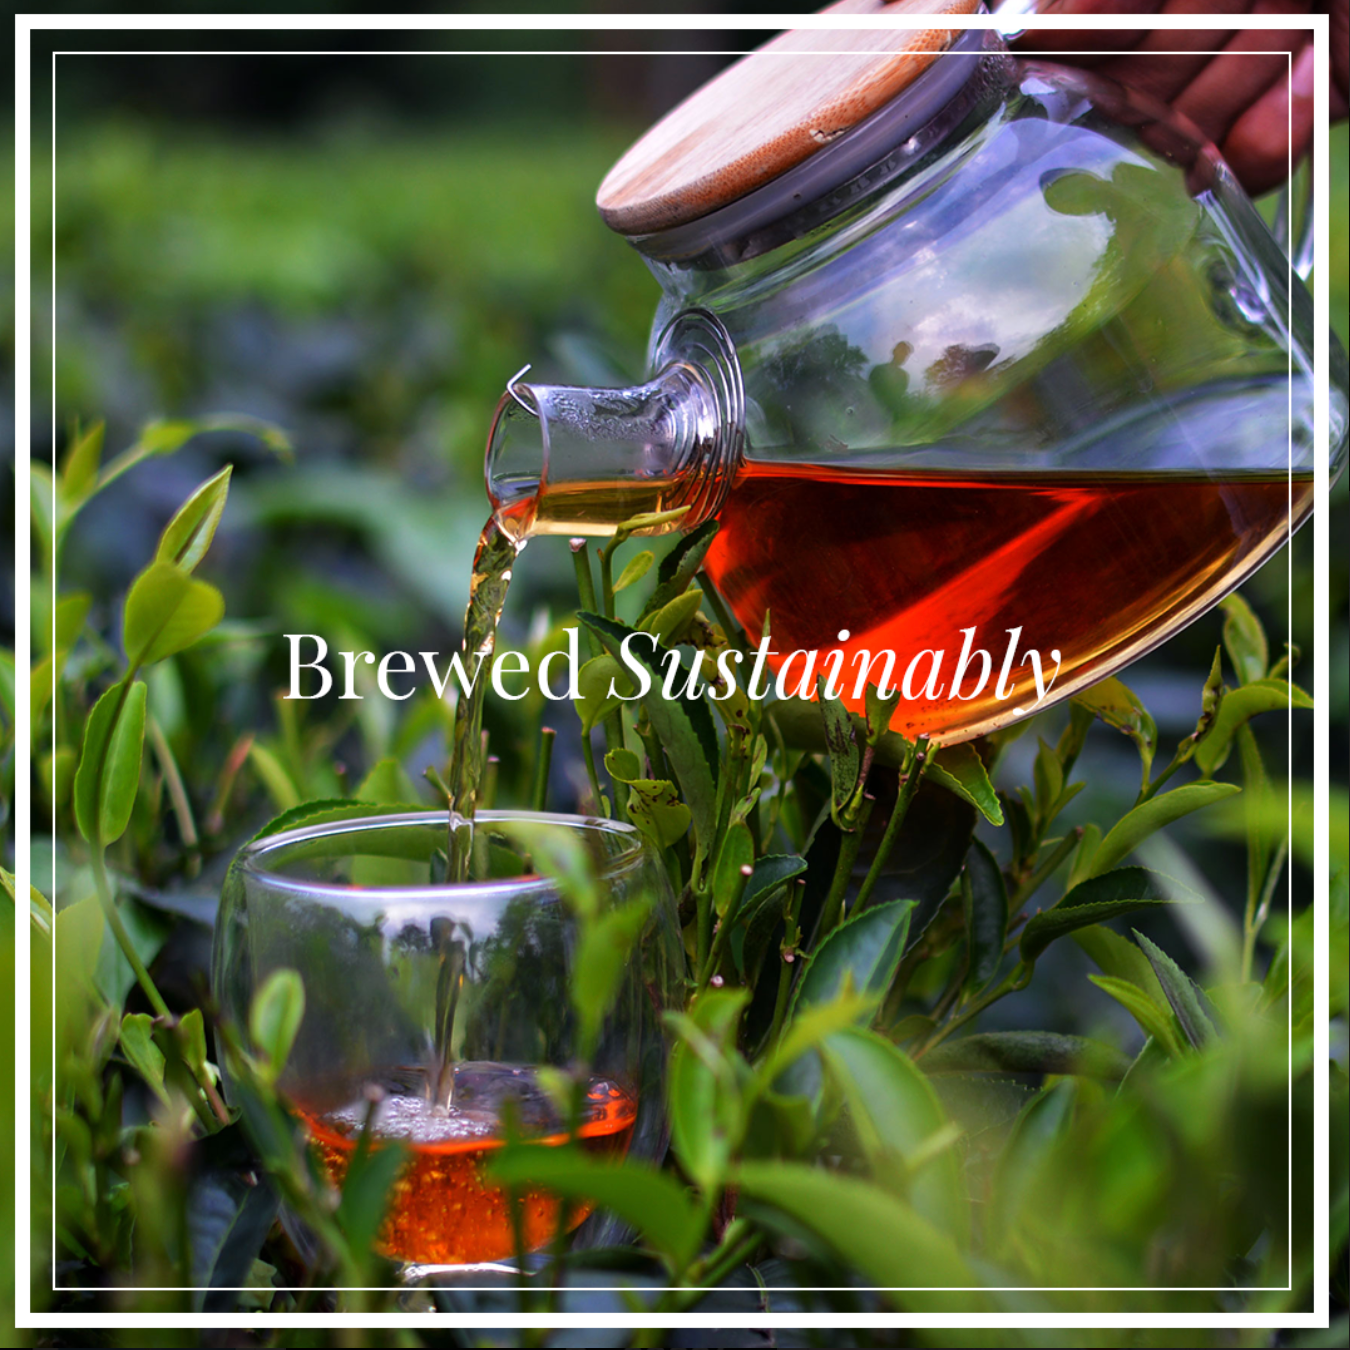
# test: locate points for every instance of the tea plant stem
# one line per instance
(119, 932)
(909, 785)
(581, 564)
(1017, 978)
(1258, 908)
(543, 761)
(785, 968)
(1047, 869)
(173, 781)
(832, 911)
(588, 754)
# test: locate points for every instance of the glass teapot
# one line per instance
(1012, 365)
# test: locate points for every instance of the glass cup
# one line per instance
(434, 1006)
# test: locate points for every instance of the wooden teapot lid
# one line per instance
(767, 113)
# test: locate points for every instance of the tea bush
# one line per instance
(984, 1017)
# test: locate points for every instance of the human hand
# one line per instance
(1237, 87)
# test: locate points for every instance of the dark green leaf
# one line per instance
(652, 1201)
(1136, 825)
(166, 611)
(841, 742)
(1188, 1001)
(984, 900)
(1095, 901)
(1245, 639)
(737, 851)
(678, 568)
(771, 871)
(229, 1212)
(959, 769)
(110, 764)
(188, 535)
(322, 812)
(1026, 1052)
(862, 953)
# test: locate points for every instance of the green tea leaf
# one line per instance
(1153, 1020)
(654, 806)
(319, 812)
(601, 957)
(387, 782)
(371, 1175)
(841, 743)
(638, 567)
(849, 1214)
(984, 902)
(652, 1201)
(1118, 707)
(1137, 824)
(79, 470)
(1118, 957)
(703, 1087)
(1244, 639)
(1239, 706)
(683, 724)
(895, 1114)
(142, 1053)
(862, 954)
(623, 765)
(1027, 1052)
(1094, 901)
(959, 769)
(110, 764)
(737, 851)
(1192, 1008)
(668, 622)
(166, 611)
(593, 681)
(276, 780)
(679, 567)
(274, 1019)
(188, 535)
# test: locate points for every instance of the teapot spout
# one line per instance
(576, 461)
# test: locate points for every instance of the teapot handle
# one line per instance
(1293, 222)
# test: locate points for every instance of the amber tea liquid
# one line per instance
(442, 1209)
(1098, 566)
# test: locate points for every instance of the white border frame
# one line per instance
(26, 24)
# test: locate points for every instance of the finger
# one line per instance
(1232, 82)
(1076, 45)
(1275, 131)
